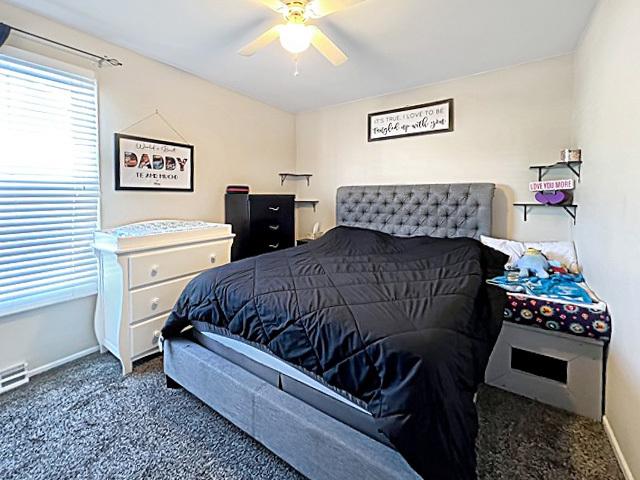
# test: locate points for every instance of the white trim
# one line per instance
(46, 299)
(62, 361)
(624, 466)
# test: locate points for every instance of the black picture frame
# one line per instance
(450, 128)
(119, 187)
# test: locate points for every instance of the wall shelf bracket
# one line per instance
(572, 210)
(313, 203)
(574, 167)
(285, 175)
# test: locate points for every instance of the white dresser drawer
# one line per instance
(153, 267)
(156, 299)
(144, 336)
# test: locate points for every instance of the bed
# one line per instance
(386, 325)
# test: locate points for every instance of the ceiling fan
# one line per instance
(295, 35)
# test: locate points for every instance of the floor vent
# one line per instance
(13, 377)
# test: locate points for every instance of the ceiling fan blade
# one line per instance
(326, 47)
(275, 5)
(262, 41)
(322, 8)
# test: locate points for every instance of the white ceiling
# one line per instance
(392, 44)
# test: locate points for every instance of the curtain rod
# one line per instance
(5, 30)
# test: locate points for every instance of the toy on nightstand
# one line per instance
(533, 262)
(557, 267)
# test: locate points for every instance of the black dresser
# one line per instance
(262, 223)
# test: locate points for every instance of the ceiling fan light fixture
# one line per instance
(295, 37)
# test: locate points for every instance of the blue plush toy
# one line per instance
(533, 261)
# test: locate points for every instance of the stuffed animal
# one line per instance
(533, 261)
(557, 267)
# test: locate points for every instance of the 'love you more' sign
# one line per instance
(429, 118)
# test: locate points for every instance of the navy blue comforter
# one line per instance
(404, 324)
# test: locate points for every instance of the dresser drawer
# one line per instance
(272, 228)
(154, 267)
(272, 207)
(272, 223)
(144, 336)
(156, 299)
(266, 245)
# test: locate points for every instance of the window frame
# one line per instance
(72, 293)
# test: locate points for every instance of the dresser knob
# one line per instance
(274, 227)
(157, 334)
(274, 209)
(212, 258)
(154, 303)
(154, 270)
(274, 245)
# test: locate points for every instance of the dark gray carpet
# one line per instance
(86, 421)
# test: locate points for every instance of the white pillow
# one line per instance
(563, 252)
(514, 250)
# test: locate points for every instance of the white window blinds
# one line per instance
(49, 185)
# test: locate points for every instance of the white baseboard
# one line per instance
(62, 361)
(624, 466)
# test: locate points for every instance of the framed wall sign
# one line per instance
(147, 164)
(425, 119)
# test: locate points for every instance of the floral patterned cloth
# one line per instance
(594, 322)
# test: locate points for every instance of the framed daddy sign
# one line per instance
(425, 119)
(147, 164)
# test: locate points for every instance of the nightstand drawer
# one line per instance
(165, 264)
(145, 335)
(156, 299)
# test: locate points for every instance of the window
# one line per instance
(49, 183)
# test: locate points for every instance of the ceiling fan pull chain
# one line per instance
(296, 72)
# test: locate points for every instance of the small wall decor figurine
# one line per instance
(569, 155)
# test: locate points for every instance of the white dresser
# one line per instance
(143, 269)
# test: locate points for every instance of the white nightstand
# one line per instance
(143, 269)
(555, 368)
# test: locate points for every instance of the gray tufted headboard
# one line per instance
(437, 210)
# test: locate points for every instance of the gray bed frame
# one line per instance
(314, 443)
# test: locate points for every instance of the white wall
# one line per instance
(237, 140)
(607, 127)
(504, 121)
